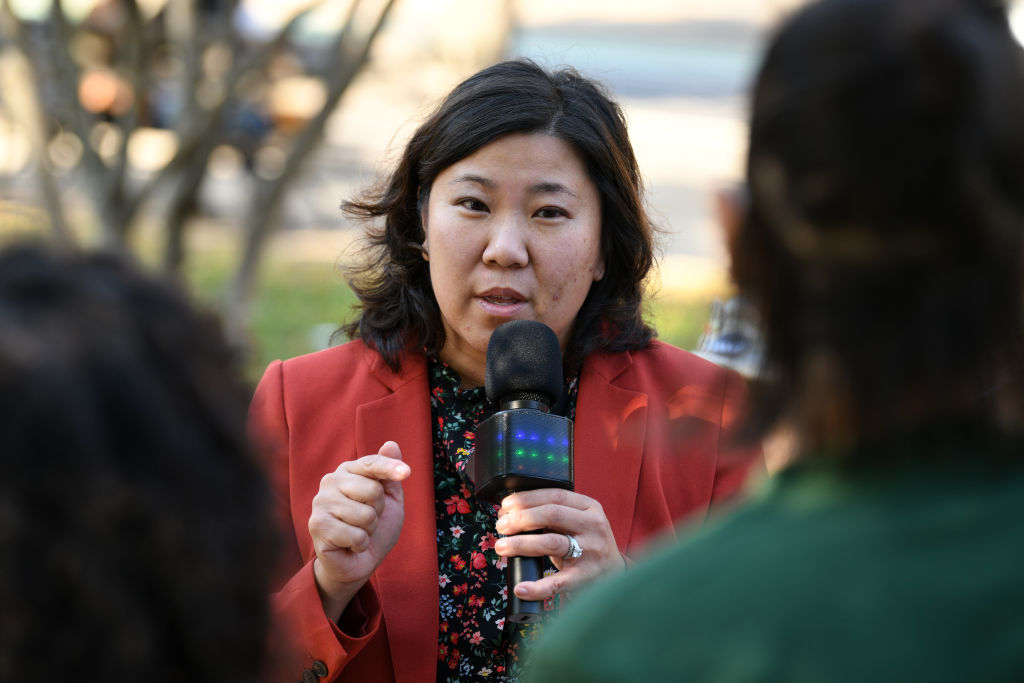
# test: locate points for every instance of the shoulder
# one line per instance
(689, 612)
(660, 368)
(668, 358)
(352, 361)
(353, 356)
(675, 597)
(349, 368)
(756, 590)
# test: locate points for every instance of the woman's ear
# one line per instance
(425, 245)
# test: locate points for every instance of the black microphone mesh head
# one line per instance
(523, 359)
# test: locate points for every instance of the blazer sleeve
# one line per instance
(315, 642)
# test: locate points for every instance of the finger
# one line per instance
(352, 513)
(566, 520)
(549, 586)
(328, 533)
(361, 489)
(533, 545)
(379, 465)
(390, 449)
(522, 500)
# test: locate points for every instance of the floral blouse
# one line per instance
(474, 642)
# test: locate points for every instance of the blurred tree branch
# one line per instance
(196, 54)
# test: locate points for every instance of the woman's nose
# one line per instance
(507, 243)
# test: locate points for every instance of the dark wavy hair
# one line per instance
(398, 308)
(883, 240)
(136, 537)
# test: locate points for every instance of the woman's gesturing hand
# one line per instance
(357, 516)
(560, 514)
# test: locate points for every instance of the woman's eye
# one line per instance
(550, 212)
(472, 204)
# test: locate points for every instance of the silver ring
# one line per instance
(575, 551)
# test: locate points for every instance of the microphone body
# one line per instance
(523, 446)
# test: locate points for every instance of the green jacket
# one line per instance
(913, 572)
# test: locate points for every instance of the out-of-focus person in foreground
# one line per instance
(136, 532)
(882, 248)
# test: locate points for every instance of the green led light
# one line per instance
(519, 451)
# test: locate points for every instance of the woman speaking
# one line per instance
(519, 198)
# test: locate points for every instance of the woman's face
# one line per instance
(513, 232)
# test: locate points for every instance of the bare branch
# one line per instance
(266, 202)
(32, 116)
(131, 38)
(196, 126)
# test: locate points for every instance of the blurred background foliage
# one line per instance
(215, 139)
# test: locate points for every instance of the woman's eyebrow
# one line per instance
(469, 178)
(552, 188)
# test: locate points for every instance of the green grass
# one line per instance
(295, 308)
(680, 318)
(298, 303)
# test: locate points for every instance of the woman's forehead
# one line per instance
(544, 163)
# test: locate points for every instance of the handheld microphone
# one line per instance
(522, 446)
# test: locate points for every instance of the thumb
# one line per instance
(390, 449)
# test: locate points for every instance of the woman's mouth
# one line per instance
(501, 301)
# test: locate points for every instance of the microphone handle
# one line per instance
(524, 569)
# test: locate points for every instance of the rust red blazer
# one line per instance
(650, 435)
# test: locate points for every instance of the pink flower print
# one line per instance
(478, 560)
(457, 504)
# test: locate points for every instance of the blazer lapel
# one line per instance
(407, 579)
(609, 435)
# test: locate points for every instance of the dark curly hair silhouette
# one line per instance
(129, 497)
